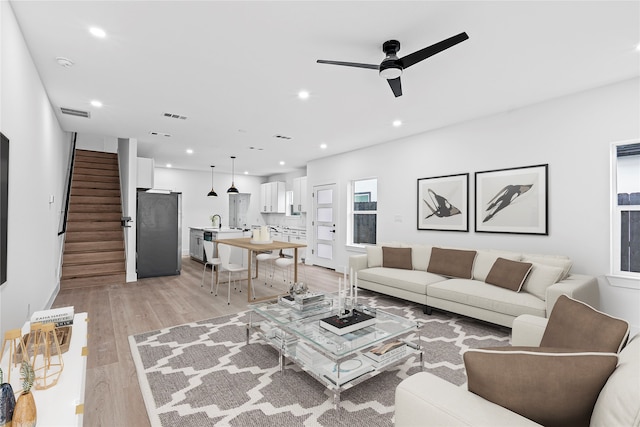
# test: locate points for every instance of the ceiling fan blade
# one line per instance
(348, 64)
(396, 86)
(422, 54)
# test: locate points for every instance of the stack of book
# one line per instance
(60, 316)
(387, 353)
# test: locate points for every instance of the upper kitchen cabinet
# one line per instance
(238, 208)
(300, 194)
(272, 197)
(144, 173)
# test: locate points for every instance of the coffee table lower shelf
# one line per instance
(355, 366)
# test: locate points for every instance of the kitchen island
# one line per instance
(197, 235)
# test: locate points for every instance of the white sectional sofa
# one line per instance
(455, 280)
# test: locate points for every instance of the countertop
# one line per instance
(218, 230)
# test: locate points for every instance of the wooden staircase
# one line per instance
(94, 244)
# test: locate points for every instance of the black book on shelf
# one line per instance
(357, 320)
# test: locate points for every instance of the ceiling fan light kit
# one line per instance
(391, 67)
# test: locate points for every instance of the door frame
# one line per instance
(324, 262)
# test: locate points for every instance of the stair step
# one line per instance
(95, 246)
(93, 216)
(87, 270)
(95, 154)
(80, 184)
(92, 164)
(78, 170)
(94, 208)
(95, 192)
(83, 282)
(92, 236)
(93, 226)
(93, 258)
(95, 200)
(95, 178)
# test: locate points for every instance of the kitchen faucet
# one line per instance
(219, 220)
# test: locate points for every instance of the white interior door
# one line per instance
(324, 225)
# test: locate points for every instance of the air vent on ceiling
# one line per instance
(73, 112)
(174, 116)
(281, 137)
(160, 134)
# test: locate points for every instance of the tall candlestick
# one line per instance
(355, 280)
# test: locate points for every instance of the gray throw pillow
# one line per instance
(508, 274)
(396, 258)
(452, 262)
(575, 325)
(553, 387)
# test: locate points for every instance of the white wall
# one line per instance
(197, 207)
(128, 164)
(573, 134)
(91, 142)
(38, 160)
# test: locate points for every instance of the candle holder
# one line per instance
(16, 349)
(47, 360)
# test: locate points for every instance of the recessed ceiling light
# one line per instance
(323, 146)
(96, 103)
(638, 47)
(98, 32)
(64, 62)
(281, 162)
(397, 123)
(168, 165)
(189, 151)
(246, 172)
(303, 94)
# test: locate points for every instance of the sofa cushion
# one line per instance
(420, 255)
(552, 387)
(508, 274)
(575, 325)
(540, 278)
(451, 262)
(478, 294)
(552, 260)
(374, 256)
(619, 400)
(396, 258)
(410, 280)
(485, 260)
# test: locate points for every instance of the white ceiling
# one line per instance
(234, 69)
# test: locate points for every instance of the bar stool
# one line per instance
(208, 250)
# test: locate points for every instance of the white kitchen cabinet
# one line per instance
(144, 175)
(238, 208)
(272, 197)
(300, 194)
(196, 247)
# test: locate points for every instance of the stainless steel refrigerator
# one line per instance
(158, 234)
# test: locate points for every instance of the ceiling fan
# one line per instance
(391, 66)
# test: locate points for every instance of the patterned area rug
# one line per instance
(204, 374)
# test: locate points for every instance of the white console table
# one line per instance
(62, 404)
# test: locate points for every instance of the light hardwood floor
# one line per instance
(112, 396)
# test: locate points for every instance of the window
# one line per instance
(364, 213)
(625, 241)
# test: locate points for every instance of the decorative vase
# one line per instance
(24, 414)
(7, 402)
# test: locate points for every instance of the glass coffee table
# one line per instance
(339, 362)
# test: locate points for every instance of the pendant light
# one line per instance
(233, 188)
(212, 193)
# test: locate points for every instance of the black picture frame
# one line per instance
(4, 205)
(513, 201)
(443, 203)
